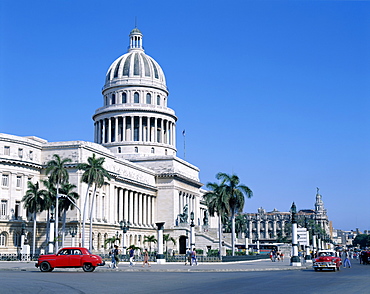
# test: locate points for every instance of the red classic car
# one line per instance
(326, 259)
(70, 257)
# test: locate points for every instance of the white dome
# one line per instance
(135, 67)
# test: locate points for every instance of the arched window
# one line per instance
(124, 98)
(148, 98)
(136, 97)
(152, 150)
(136, 149)
(106, 100)
(113, 98)
(119, 149)
(158, 100)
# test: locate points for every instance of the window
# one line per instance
(119, 149)
(124, 98)
(106, 100)
(5, 181)
(31, 155)
(2, 240)
(19, 181)
(152, 150)
(6, 150)
(136, 97)
(148, 98)
(3, 208)
(16, 210)
(113, 98)
(158, 100)
(20, 152)
(136, 149)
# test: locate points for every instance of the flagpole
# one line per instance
(183, 133)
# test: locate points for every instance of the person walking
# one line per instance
(114, 255)
(345, 258)
(194, 258)
(188, 257)
(132, 255)
(146, 258)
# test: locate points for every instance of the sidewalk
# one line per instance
(245, 266)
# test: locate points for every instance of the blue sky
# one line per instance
(274, 91)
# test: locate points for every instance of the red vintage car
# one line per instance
(70, 257)
(326, 259)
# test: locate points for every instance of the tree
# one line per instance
(217, 203)
(94, 173)
(363, 240)
(65, 204)
(111, 241)
(150, 239)
(235, 192)
(240, 224)
(167, 238)
(51, 197)
(58, 176)
(34, 202)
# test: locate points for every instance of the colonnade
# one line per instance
(189, 199)
(135, 207)
(266, 229)
(135, 128)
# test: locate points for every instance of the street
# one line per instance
(354, 280)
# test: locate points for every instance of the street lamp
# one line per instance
(125, 226)
(192, 233)
(308, 257)
(294, 260)
(73, 233)
(51, 228)
(257, 244)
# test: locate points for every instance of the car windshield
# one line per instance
(326, 254)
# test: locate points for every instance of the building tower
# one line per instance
(320, 213)
(135, 120)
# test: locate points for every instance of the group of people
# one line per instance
(276, 256)
(114, 253)
(191, 257)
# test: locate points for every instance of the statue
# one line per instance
(205, 219)
(183, 217)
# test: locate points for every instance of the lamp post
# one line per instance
(51, 232)
(246, 242)
(56, 224)
(258, 244)
(160, 256)
(125, 226)
(294, 260)
(308, 258)
(192, 232)
(73, 233)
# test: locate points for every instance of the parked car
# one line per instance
(70, 257)
(326, 259)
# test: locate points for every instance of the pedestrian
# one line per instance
(345, 258)
(194, 257)
(146, 258)
(282, 256)
(188, 257)
(132, 255)
(278, 256)
(114, 255)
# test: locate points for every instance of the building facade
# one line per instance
(135, 131)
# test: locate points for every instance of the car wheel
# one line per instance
(334, 269)
(316, 269)
(45, 267)
(87, 267)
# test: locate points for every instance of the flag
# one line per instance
(183, 132)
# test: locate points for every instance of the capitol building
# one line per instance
(135, 132)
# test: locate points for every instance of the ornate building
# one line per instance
(268, 227)
(135, 131)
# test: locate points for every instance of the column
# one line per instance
(153, 214)
(145, 207)
(155, 130)
(174, 135)
(141, 128)
(103, 131)
(150, 221)
(140, 208)
(136, 210)
(132, 128)
(131, 207)
(116, 129)
(120, 203)
(109, 131)
(125, 207)
(160, 256)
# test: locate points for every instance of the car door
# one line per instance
(62, 259)
(75, 257)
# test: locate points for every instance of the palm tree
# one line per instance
(111, 241)
(240, 224)
(50, 200)
(66, 204)
(167, 238)
(34, 202)
(58, 176)
(150, 239)
(235, 193)
(217, 203)
(94, 173)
